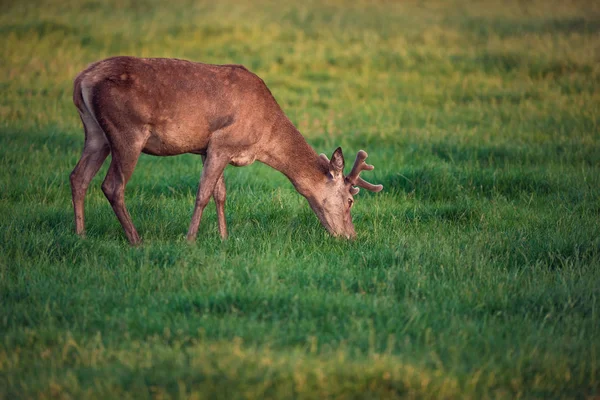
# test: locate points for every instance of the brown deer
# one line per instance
(225, 113)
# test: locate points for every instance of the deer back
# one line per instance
(177, 105)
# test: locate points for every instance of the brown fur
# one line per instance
(225, 113)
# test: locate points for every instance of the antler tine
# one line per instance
(369, 186)
(359, 166)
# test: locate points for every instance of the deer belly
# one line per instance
(163, 145)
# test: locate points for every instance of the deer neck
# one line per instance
(288, 152)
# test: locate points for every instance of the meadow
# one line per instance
(475, 273)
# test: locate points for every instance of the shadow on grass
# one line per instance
(485, 155)
(547, 248)
(478, 172)
(51, 136)
(485, 27)
(40, 28)
(493, 62)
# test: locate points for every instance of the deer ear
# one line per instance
(336, 165)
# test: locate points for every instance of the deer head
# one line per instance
(334, 196)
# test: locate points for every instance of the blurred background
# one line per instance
(378, 68)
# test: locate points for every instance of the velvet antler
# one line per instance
(354, 176)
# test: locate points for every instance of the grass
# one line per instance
(476, 272)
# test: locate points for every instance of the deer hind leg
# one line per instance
(95, 151)
(212, 172)
(126, 147)
(219, 195)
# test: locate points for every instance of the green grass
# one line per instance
(475, 274)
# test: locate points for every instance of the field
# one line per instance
(475, 273)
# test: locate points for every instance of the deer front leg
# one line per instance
(212, 172)
(219, 194)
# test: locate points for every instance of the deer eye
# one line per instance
(350, 202)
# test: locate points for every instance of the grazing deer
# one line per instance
(225, 113)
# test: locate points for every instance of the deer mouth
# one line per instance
(334, 230)
(343, 234)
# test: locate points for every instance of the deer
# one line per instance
(224, 113)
